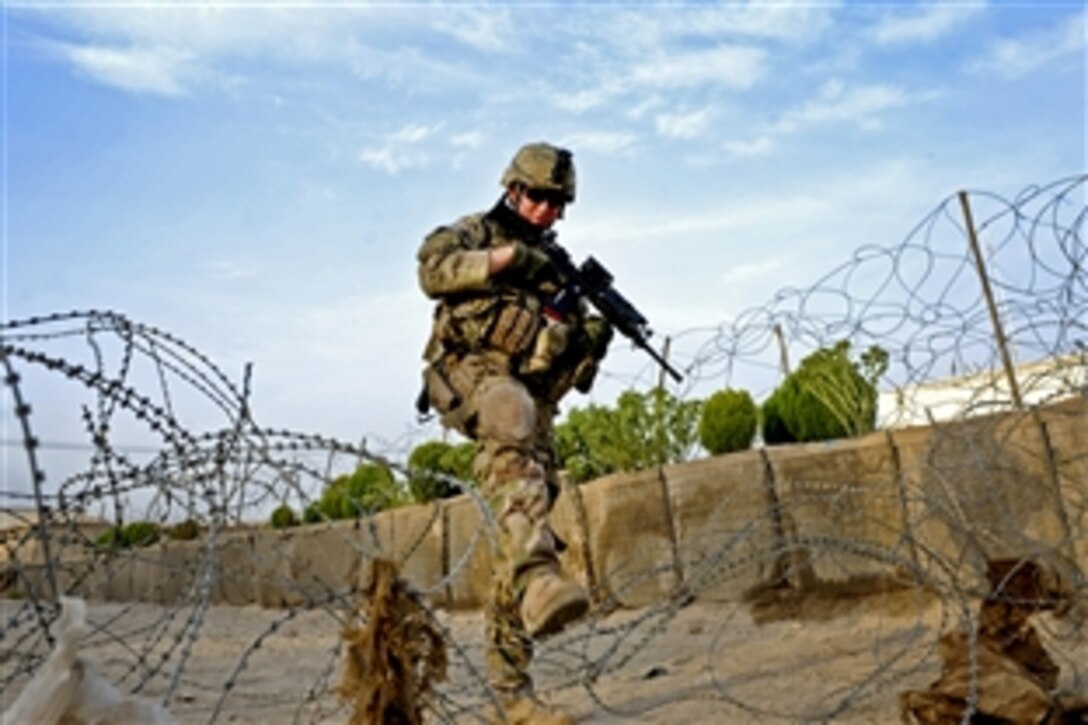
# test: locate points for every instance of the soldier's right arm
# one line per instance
(449, 263)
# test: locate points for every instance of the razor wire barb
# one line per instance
(920, 300)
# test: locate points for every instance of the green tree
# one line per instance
(642, 430)
(432, 464)
(828, 396)
(583, 442)
(728, 421)
(368, 489)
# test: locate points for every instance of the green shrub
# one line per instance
(775, 430)
(111, 538)
(460, 461)
(444, 459)
(141, 533)
(283, 517)
(187, 530)
(827, 397)
(367, 490)
(728, 422)
(135, 534)
(312, 513)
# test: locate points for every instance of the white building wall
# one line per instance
(1044, 381)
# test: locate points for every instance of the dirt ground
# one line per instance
(703, 662)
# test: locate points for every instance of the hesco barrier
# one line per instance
(943, 498)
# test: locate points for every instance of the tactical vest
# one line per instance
(502, 323)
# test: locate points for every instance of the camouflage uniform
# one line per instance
(497, 367)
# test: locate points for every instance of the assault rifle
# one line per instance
(594, 283)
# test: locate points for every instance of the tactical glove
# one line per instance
(598, 334)
(530, 264)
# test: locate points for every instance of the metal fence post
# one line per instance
(995, 320)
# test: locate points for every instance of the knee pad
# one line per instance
(505, 411)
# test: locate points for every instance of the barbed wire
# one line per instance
(712, 625)
(921, 300)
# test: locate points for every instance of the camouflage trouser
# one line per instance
(514, 466)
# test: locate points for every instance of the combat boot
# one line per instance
(550, 603)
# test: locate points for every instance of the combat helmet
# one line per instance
(542, 166)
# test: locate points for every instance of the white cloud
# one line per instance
(750, 148)
(683, 125)
(926, 24)
(750, 272)
(469, 140)
(400, 150)
(160, 70)
(732, 66)
(414, 133)
(360, 38)
(601, 142)
(583, 100)
(213, 32)
(1012, 59)
(644, 107)
(391, 160)
(778, 21)
(232, 269)
(655, 26)
(836, 103)
(715, 221)
(489, 29)
(633, 53)
(464, 144)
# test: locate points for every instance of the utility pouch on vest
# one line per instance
(441, 394)
(551, 342)
(449, 390)
(514, 330)
(584, 375)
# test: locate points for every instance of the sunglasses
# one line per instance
(554, 197)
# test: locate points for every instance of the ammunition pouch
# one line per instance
(584, 375)
(448, 390)
(551, 342)
(501, 324)
(555, 369)
(441, 395)
(514, 330)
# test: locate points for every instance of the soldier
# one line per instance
(499, 360)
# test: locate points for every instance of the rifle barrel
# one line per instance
(660, 360)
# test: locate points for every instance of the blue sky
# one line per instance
(256, 177)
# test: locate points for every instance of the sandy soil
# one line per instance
(703, 662)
